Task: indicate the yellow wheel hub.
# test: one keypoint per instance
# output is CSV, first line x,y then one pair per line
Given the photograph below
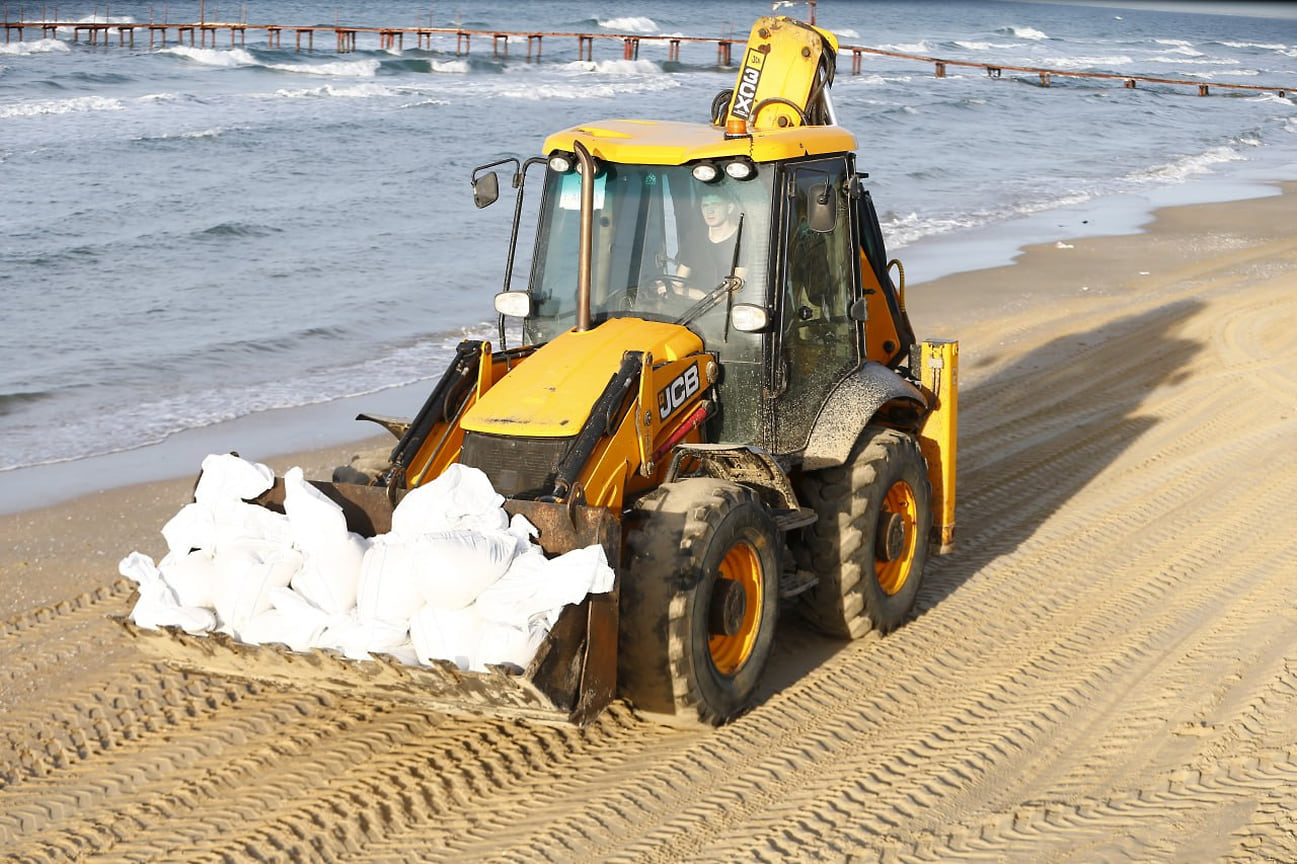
x,y
897,538
736,608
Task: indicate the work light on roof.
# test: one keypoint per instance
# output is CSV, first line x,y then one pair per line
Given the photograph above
x,y
740,169
706,172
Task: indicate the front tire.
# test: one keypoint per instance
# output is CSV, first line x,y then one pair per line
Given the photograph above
x,y
699,602
870,544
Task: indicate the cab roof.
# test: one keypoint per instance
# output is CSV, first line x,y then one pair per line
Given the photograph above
x,y
664,142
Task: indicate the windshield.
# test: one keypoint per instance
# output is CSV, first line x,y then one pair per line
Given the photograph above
x,y
662,241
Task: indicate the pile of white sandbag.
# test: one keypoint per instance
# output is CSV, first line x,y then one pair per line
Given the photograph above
x,y
455,579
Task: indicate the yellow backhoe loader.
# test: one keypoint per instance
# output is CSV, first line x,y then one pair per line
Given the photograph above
x,y
717,380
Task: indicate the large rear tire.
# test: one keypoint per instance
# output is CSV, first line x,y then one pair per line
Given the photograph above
x,y
699,601
870,544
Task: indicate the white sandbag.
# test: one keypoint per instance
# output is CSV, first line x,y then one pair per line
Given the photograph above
x,y
460,497
191,576
157,605
154,609
315,522
140,569
330,577
238,522
358,638
388,587
453,567
534,585
472,643
504,644
404,652
227,478
291,619
447,634
245,574
193,527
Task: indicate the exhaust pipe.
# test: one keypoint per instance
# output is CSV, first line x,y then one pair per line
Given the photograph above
x,y
586,161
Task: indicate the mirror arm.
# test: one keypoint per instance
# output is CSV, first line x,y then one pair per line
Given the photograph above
x,y
519,177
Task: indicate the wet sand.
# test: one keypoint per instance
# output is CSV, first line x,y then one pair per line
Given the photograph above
x,y
1105,669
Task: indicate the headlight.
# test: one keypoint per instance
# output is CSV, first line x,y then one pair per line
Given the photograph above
x,y
561,163
749,318
706,172
740,169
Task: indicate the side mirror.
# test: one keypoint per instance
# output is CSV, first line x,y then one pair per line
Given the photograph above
x,y
513,304
749,318
822,208
486,189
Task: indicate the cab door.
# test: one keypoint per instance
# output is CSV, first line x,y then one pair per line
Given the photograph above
x,y
816,340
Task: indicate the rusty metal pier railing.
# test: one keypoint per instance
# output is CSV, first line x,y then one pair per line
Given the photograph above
x,y
200,32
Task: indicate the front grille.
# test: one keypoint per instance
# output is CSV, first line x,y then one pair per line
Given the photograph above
x,y
518,467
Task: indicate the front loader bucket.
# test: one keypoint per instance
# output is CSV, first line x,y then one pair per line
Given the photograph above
x,y
572,678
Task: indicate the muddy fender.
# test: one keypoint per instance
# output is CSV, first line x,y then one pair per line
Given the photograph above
x,y
850,407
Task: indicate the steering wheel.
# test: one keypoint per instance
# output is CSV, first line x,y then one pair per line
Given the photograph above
x,y
657,289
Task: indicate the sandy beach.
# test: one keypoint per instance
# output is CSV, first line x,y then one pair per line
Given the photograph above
x,y
1104,669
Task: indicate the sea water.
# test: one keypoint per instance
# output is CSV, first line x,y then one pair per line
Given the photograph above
x,y
240,246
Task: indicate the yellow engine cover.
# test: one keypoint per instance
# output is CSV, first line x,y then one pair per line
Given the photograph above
x,y
552,393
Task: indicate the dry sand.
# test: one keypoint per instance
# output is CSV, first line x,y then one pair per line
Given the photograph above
x,y
1105,669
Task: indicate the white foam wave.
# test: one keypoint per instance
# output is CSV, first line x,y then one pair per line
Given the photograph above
x,y
1088,62
450,67
629,24
425,103
1180,46
902,230
545,92
228,59
338,69
130,424
846,33
1180,170
214,132
40,46
355,91
1264,46
1272,97
919,47
106,19
1224,73
969,45
60,106
1026,33
1199,60
613,67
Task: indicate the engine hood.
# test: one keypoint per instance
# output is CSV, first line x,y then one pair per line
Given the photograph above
x,y
551,393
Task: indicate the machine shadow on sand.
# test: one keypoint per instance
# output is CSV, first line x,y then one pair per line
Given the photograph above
x,y
1093,414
